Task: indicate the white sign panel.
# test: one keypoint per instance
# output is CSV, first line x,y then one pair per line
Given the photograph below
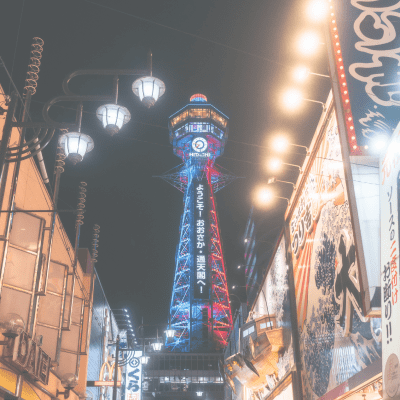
x,y
133,380
389,199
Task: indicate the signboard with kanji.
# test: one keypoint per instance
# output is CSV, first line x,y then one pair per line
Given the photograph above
x,y
389,198
201,278
133,379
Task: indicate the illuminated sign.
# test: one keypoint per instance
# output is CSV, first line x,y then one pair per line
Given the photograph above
x,y
133,379
106,376
389,199
28,357
200,239
102,383
199,145
365,54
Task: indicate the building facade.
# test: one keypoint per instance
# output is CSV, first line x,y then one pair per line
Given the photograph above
x,y
41,287
309,333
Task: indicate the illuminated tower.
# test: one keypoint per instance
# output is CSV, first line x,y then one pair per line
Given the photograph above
x,y
200,311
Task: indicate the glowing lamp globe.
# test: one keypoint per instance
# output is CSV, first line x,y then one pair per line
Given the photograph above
x,y
69,381
300,74
275,164
148,89
292,99
157,346
280,144
145,359
76,145
170,333
12,324
264,196
113,117
308,43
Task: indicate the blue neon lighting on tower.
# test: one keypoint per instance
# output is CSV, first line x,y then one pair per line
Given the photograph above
x,y
200,311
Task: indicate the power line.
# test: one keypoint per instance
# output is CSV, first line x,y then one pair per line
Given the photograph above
x,y
187,33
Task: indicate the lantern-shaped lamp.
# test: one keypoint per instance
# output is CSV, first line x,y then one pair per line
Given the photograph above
x,y
76,145
170,333
145,359
156,346
12,324
148,89
113,117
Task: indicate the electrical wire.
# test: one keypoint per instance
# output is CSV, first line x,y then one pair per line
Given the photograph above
x,y
186,33
16,43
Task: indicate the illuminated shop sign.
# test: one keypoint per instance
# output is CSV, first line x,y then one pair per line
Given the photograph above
x,y
366,53
328,279
26,355
201,287
133,380
389,198
106,376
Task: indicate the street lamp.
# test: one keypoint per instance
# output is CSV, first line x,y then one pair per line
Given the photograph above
x,y
13,326
148,89
156,345
170,332
317,10
113,117
301,73
275,164
265,196
274,180
292,99
280,144
308,42
76,145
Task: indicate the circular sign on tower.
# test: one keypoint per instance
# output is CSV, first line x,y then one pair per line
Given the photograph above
x,y
199,144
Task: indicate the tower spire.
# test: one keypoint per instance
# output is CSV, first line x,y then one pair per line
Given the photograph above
x,y
200,309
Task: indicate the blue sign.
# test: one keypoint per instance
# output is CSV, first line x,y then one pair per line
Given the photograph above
x,y
366,44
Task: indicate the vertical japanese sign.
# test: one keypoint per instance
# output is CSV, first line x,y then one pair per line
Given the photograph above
x,y
133,378
365,46
201,286
389,199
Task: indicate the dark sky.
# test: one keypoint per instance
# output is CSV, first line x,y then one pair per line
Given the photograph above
x,y
238,53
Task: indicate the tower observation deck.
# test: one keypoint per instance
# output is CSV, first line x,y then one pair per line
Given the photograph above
x,y
200,311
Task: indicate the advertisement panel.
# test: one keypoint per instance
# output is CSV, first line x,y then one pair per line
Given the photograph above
x,y
201,270
389,198
133,378
274,301
336,340
365,46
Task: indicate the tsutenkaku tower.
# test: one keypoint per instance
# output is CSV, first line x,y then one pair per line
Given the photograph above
x,y
200,311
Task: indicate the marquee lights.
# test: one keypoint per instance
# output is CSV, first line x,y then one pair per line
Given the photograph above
x,y
354,148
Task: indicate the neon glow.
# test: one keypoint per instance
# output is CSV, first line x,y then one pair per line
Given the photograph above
x,y
200,309
198,97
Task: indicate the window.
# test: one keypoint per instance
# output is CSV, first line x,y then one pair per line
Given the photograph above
x,y
22,263
248,331
49,321
218,118
179,118
199,113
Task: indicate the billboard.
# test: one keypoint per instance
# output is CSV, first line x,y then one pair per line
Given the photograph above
x,y
365,48
274,301
389,198
133,377
336,340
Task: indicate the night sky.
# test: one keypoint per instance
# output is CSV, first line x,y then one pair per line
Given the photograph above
x,y
240,54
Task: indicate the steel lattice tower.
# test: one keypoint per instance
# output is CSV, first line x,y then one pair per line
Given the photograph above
x,y
200,310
